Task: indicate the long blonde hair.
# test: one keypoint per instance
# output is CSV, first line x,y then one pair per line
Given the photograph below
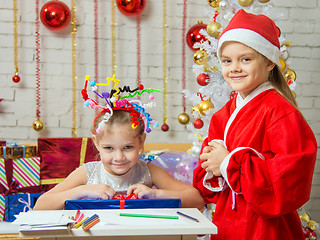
x,y
279,82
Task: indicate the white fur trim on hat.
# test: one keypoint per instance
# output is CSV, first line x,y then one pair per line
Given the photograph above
x,y
251,39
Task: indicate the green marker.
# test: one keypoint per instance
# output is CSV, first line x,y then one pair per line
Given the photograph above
x,y
147,216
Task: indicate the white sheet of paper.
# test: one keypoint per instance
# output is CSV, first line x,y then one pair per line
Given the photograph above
x,y
42,217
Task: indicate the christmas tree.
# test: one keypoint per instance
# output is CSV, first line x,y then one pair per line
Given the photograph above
x,y
214,92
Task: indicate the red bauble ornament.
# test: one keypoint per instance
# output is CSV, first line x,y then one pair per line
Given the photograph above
x,y
131,7
202,79
194,35
16,78
198,123
165,127
55,15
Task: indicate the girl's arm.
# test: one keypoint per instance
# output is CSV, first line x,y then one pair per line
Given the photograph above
x,y
72,188
168,187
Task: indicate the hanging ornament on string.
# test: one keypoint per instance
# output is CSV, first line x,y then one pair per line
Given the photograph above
x,y
184,118
214,28
131,7
194,36
38,125
16,77
165,126
245,3
55,15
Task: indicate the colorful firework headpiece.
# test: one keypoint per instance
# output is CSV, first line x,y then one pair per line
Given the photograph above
x,y
114,101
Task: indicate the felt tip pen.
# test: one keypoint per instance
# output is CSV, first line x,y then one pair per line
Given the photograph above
x,y
77,225
187,216
147,216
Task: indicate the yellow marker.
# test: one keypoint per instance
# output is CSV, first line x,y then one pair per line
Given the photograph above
x,y
80,223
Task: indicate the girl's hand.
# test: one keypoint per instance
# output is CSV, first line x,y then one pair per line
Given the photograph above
x,y
213,158
142,191
97,191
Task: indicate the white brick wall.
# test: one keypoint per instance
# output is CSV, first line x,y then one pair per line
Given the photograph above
x,y
17,111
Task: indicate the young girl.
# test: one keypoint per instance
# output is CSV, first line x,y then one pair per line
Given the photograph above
x,y
258,160
118,134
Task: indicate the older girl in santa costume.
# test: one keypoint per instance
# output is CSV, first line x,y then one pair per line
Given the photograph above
x,y
258,160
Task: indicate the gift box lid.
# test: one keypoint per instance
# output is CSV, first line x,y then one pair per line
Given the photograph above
x,y
128,204
14,150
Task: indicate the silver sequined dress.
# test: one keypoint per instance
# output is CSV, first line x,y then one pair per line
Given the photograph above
x,y
96,174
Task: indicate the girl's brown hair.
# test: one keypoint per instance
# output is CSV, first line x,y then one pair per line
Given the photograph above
x,y
279,82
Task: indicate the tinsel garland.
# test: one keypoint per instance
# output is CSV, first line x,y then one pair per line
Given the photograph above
x,y
37,33
74,73
164,54
184,18
15,33
138,50
96,48
113,26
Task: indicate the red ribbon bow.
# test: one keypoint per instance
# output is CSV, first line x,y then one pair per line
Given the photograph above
x,y
122,199
12,188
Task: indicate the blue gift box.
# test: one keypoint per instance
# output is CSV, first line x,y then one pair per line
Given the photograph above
x,y
17,203
128,203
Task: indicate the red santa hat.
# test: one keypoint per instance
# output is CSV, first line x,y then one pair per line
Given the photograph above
x,y
256,31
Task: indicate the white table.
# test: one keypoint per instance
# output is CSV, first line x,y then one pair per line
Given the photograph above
x,y
112,226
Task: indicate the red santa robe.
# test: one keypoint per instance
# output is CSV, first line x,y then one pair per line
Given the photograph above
x,y
268,174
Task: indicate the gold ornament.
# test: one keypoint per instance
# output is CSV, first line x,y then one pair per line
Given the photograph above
x,y
311,224
214,3
200,57
245,3
263,1
289,74
213,29
205,106
37,125
283,64
183,118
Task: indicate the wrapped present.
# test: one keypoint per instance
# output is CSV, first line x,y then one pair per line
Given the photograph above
x,y
14,150
17,203
123,204
21,175
2,206
3,143
60,156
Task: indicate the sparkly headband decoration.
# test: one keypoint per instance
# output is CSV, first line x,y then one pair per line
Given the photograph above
x,y
114,102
